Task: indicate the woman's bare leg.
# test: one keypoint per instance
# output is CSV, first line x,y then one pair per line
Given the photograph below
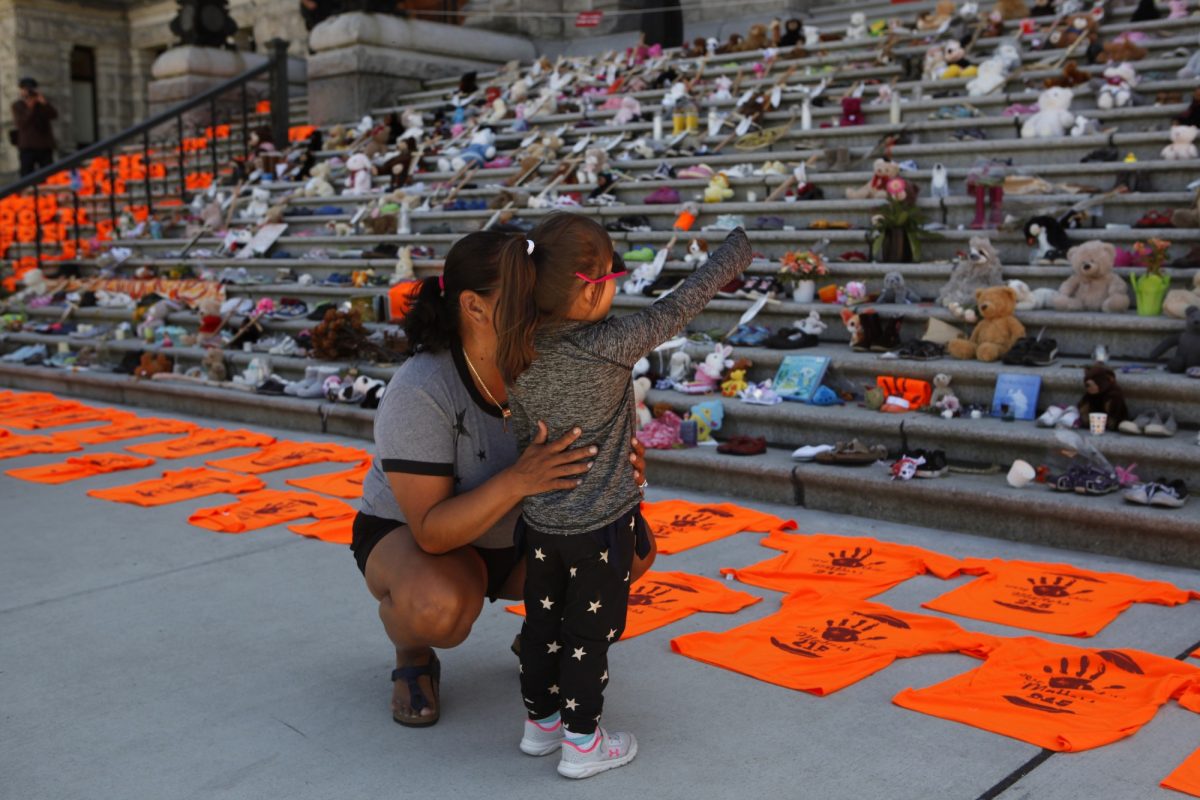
x,y
425,601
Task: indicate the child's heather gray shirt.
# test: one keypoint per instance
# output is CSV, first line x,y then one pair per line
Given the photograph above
x,y
582,377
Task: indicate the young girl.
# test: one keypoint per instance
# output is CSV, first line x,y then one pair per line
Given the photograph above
x,y
565,362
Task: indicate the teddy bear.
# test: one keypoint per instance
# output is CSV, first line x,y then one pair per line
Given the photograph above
x,y
1053,118
718,189
756,38
213,364
1117,91
1188,217
876,187
1070,77
1183,143
992,74
630,110
1093,286
980,268
997,330
697,253
152,364
481,149
735,383
1032,299
857,29
595,161
1079,26
1120,49
359,171
318,184
1102,395
895,291
1011,9
933,64
378,142
260,202
941,390
1186,343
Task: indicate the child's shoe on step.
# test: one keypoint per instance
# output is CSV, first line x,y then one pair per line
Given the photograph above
x,y
604,751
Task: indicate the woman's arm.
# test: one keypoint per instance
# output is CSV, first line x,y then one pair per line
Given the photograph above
x,y
442,521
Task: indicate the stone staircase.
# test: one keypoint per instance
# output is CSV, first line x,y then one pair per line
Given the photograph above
x,y
976,499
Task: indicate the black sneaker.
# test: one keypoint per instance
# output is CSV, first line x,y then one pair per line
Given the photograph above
x,y
935,465
632,224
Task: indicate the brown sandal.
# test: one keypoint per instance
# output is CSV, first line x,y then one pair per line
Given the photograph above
x,y
416,695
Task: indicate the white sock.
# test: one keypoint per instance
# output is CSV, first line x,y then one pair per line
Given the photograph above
x,y
580,739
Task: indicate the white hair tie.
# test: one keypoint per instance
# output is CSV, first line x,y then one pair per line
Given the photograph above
x,y
529,246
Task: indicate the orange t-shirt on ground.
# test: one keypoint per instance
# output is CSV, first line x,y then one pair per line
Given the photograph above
x,y
660,598
336,530
22,404
128,428
1186,777
203,441
1052,598
282,455
78,467
1059,696
184,484
347,483
268,507
679,525
12,445
11,401
35,415
822,643
852,565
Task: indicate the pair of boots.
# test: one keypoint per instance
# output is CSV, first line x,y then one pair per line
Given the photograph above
x,y
877,333
313,384
984,195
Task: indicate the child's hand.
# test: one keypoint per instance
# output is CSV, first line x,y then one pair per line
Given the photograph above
x,y
549,467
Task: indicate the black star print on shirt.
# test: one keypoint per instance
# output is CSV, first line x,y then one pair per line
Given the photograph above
x,y
481,455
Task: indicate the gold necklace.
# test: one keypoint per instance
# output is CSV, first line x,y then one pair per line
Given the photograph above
x,y
504,412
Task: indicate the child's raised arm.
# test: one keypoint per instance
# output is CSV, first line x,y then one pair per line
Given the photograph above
x,y
626,339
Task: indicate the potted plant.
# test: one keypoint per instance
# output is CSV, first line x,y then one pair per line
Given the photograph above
x,y
1150,288
799,271
899,229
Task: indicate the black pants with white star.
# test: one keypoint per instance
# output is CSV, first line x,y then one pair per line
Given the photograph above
x,y
576,593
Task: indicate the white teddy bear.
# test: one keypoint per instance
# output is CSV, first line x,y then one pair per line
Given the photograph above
x,y
992,75
1117,91
857,29
359,172
1031,299
1183,143
481,149
260,202
1053,117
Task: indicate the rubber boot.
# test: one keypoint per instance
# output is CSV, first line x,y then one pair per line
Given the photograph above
x,y
996,201
977,223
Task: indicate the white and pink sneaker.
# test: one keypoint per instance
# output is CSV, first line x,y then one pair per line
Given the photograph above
x,y
541,740
606,751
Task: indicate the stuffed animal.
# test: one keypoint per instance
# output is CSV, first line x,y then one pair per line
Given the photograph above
x,y
852,113
718,189
1012,9
629,111
358,180
1188,217
997,330
1117,91
481,149
957,65
854,327
641,387
1093,286
1178,301
1190,70
1120,49
992,75
857,29
812,324
155,318
1070,77
1048,238
979,269
735,383
1186,344
1183,143
595,161
680,365
895,291
1102,395
1078,26
697,253
876,187
1053,118
260,202
372,390
708,374
709,416
152,364
941,390
213,364
756,39
318,184
1032,299
934,63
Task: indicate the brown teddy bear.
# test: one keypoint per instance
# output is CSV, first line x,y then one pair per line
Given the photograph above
x,y
153,363
1012,9
755,40
876,188
1093,286
1079,26
1102,395
1071,77
1122,51
998,329
1188,217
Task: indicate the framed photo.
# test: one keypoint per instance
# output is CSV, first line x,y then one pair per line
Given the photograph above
x,y
799,377
1016,393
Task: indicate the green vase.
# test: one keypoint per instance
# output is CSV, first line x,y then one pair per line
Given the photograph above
x,y
1150,290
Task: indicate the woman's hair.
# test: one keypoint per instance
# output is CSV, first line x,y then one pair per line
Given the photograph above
x,y
540,285
472,265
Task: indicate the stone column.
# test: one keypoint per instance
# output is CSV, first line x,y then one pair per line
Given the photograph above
x,y
362,61
184,72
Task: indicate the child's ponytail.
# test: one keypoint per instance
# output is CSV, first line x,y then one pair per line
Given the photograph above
x,y
517,312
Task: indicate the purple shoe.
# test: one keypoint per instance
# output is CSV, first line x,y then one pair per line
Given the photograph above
x,y
662,196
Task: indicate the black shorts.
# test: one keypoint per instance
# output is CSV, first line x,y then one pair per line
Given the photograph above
x,y
367,530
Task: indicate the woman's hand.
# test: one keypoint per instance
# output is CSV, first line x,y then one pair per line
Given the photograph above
x,y
638,459
548,467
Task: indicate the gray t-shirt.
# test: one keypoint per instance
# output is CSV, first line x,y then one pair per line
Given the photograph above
x,y
582,376
433,421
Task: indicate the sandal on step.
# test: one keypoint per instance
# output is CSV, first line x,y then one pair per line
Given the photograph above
x,y
417,700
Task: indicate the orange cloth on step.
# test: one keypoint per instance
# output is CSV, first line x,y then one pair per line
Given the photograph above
x,y
660,598
348,483
1186,777
39,415
128,428
202,441
820,644
679,525
1053,598
1059,696
71,416
268,507
282,455
11,401
855,566
78,467
184,484
336,530
13,445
